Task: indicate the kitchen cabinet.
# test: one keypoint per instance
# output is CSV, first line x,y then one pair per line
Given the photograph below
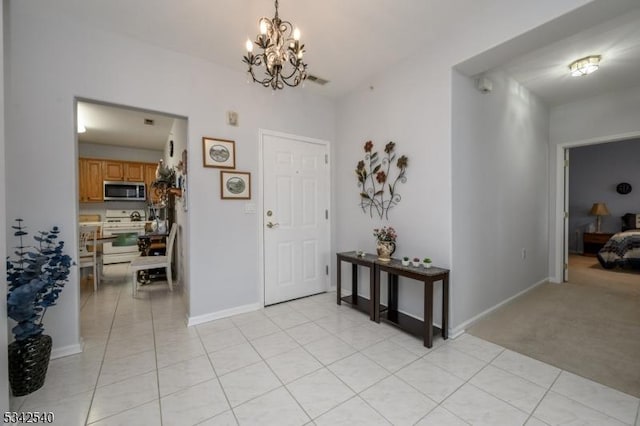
x,y
149,177
90,180
94,171
134,172
113,170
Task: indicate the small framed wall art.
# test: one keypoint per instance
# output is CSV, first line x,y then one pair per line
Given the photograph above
x,y
235,185
220,153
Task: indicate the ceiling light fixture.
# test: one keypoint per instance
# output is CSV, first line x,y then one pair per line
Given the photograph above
x,y
281,54
585,66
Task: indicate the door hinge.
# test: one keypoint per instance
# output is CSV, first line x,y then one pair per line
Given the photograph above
x,y
326,214
326,159
566,163
327,269
566,266
566,215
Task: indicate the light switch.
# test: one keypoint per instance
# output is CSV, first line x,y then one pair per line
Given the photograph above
x,y
249,208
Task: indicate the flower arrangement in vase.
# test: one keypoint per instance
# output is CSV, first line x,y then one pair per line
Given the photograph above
x,y
35,279
385,242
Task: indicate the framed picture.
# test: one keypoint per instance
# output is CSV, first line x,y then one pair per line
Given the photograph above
x,y
235,185
220,153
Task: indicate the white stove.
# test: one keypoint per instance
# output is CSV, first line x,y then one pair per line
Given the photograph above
x,y
125,225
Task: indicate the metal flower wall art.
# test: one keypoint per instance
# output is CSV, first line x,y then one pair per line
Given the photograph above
x,y
377,185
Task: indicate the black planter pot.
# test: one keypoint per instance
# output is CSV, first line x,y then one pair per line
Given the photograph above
x,y
28,363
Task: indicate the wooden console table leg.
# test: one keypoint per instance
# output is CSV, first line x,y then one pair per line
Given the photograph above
x,y
445,307
373,295
428,313
376,290
392,292
354,284
339,281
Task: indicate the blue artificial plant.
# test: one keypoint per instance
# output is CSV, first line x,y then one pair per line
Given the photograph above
x,y
35,279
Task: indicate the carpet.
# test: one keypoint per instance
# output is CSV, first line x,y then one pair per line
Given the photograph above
x,y
589,326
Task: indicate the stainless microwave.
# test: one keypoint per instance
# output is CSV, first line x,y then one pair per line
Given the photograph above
x,y
124,191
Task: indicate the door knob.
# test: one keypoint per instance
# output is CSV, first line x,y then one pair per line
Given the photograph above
x,y
272,225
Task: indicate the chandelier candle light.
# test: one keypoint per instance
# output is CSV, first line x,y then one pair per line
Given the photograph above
x,y
281,54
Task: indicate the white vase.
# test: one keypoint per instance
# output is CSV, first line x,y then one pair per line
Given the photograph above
x,y
426,264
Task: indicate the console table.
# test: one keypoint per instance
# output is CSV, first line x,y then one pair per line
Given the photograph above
x,y
428,276
358,302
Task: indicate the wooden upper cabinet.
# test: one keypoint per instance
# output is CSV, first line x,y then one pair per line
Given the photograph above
x,y
134,172
90,180
113,170
149,177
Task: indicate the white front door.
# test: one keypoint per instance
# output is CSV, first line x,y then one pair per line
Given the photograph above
x,y
295,217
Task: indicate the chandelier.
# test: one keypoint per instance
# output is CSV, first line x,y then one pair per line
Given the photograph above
x,y
585,66
281,54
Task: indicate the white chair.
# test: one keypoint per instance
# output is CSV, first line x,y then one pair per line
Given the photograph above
x,y
144,263
88,251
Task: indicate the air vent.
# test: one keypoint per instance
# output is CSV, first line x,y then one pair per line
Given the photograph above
x,y
317,80
148,122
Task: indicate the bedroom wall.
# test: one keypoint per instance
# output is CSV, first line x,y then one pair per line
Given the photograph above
x,y
52,59
613,116
594,172
500,190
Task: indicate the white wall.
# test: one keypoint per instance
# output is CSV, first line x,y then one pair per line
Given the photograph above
x,y
500,192
595,172
51,60
4,375
613,116
411,104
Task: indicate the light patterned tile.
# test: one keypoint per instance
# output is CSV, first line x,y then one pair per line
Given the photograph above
x,y
194,404
274,344
441,417
293,364
289,320
397,401
171,354
556,409
255,329
455,362
527,368
274,408
117,397
329,350
221,339
225,419
479,408
476,347
352,413
70,410
144,415
508,387
233,358
358,371
248,382
307,333
602,398
115,370
184,374
429,379
390,355
319,392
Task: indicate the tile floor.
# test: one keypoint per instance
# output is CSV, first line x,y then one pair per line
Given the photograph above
x,y
308,361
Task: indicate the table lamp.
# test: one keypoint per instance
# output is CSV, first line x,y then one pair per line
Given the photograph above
x,y
599,210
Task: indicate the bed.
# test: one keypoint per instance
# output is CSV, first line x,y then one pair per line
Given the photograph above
x,y
623,248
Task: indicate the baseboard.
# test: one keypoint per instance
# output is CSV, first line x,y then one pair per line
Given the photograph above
x,y
455,332
222,314
66,350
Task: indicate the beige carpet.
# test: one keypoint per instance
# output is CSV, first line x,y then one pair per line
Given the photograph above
x,y
589,326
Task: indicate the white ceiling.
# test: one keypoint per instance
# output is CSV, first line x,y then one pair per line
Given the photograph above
x,y
114,125
338,34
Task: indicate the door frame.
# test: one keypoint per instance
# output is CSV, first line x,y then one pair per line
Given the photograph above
x,y
557,219
260,209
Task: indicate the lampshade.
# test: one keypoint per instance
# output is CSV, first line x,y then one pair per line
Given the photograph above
x,y
599,209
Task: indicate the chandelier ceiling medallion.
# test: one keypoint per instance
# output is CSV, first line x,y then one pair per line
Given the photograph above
x,y
281,54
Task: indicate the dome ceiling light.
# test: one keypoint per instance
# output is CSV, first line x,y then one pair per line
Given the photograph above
x,y
585,66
